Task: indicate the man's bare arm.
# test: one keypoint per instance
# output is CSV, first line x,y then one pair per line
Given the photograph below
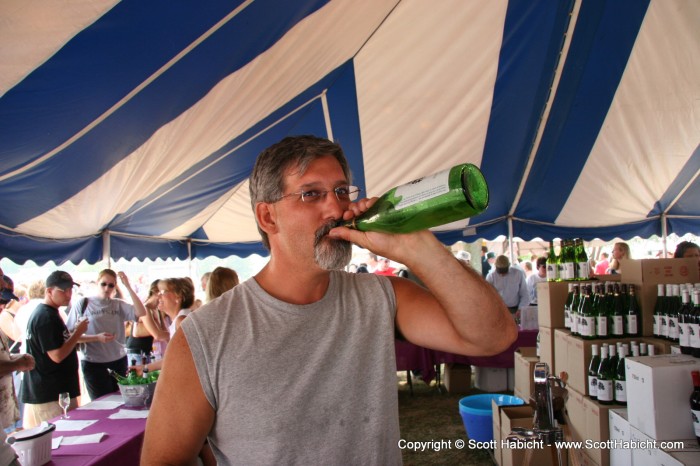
x,y
180,416
459,313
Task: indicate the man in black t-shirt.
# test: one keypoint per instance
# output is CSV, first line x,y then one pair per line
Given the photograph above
x,y
53,347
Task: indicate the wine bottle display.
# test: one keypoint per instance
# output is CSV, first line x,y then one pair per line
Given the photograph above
x,y
695,403
427,202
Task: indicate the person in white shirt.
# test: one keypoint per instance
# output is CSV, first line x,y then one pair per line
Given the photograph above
x,y
535,278
510,283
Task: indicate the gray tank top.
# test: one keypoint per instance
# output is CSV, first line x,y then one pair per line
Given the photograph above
x,y
300,384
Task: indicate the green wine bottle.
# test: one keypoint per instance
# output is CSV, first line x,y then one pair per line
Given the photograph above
x,y
427,202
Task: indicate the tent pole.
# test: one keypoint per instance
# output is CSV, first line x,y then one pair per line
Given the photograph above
x,y
510,239
664,234
106,250
189,257
327,115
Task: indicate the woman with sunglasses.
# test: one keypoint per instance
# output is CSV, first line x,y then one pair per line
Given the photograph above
x,y
102,346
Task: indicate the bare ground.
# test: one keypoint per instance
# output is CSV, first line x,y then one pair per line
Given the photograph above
x,y
433,415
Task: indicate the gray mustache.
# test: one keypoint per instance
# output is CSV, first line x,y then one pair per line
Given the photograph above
x,y
323,231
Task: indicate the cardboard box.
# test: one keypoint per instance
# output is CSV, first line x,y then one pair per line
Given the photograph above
x,y
645,451
658,390
646,274
576,414
547,347
491,379
686,453
589,421
510,417
561,353
458,378
598,428
579,354
551,297
524,361
619,431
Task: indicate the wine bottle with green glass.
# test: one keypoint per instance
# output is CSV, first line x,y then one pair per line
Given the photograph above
x,y
430,201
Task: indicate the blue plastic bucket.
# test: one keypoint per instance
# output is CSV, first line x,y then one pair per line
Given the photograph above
x,y
477,415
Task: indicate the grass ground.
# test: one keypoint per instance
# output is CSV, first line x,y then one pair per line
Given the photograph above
x,y
433,415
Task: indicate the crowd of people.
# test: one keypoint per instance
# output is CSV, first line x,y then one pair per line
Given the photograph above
x,y
50,337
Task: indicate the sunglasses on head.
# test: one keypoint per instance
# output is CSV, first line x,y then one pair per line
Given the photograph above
x,y
103,284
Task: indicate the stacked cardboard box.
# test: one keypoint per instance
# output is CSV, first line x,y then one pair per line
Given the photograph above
x,y
512,453
458,378
658,408
563,352
647,274
524,362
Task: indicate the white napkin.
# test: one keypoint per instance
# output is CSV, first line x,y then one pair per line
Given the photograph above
x,y
56,442
129,414
66,424
112,398
83,439
103,404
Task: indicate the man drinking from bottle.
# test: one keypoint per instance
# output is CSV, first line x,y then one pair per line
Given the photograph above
x,y
297,365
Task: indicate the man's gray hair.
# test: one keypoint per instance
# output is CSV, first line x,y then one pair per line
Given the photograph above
x,y
267,180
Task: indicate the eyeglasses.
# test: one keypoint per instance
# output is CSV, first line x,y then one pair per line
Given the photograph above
x,y
342,193
110,285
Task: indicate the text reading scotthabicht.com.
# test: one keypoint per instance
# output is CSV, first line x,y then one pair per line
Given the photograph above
x,y
437,445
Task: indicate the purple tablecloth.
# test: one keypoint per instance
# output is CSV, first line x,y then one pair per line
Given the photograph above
x,y
412,357
121,446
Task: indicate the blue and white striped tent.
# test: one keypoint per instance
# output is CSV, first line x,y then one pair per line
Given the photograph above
x,y
128,128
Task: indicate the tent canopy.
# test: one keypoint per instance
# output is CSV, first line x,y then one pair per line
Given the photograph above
x,y
129,128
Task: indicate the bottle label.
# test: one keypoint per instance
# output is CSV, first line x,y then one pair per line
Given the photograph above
x,y
574,322
696,421
605,390
587,326
663,327
593,385
602,326
694,335
631,324
422,189
657,325
569,273
673,328
567,318
618,327
621,391
684,334
584,269
552,272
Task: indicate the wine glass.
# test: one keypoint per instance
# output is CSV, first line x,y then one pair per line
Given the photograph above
x,y
64,403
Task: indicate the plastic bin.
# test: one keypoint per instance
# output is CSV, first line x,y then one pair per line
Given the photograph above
x,y
33,446
477,414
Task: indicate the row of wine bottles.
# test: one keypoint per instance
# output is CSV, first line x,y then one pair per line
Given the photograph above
x,y
571,263
677,317
602,310
607,381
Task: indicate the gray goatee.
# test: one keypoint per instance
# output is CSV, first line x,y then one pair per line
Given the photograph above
x,y
329,253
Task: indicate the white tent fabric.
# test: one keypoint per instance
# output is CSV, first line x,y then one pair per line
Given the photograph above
x,y
129,128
